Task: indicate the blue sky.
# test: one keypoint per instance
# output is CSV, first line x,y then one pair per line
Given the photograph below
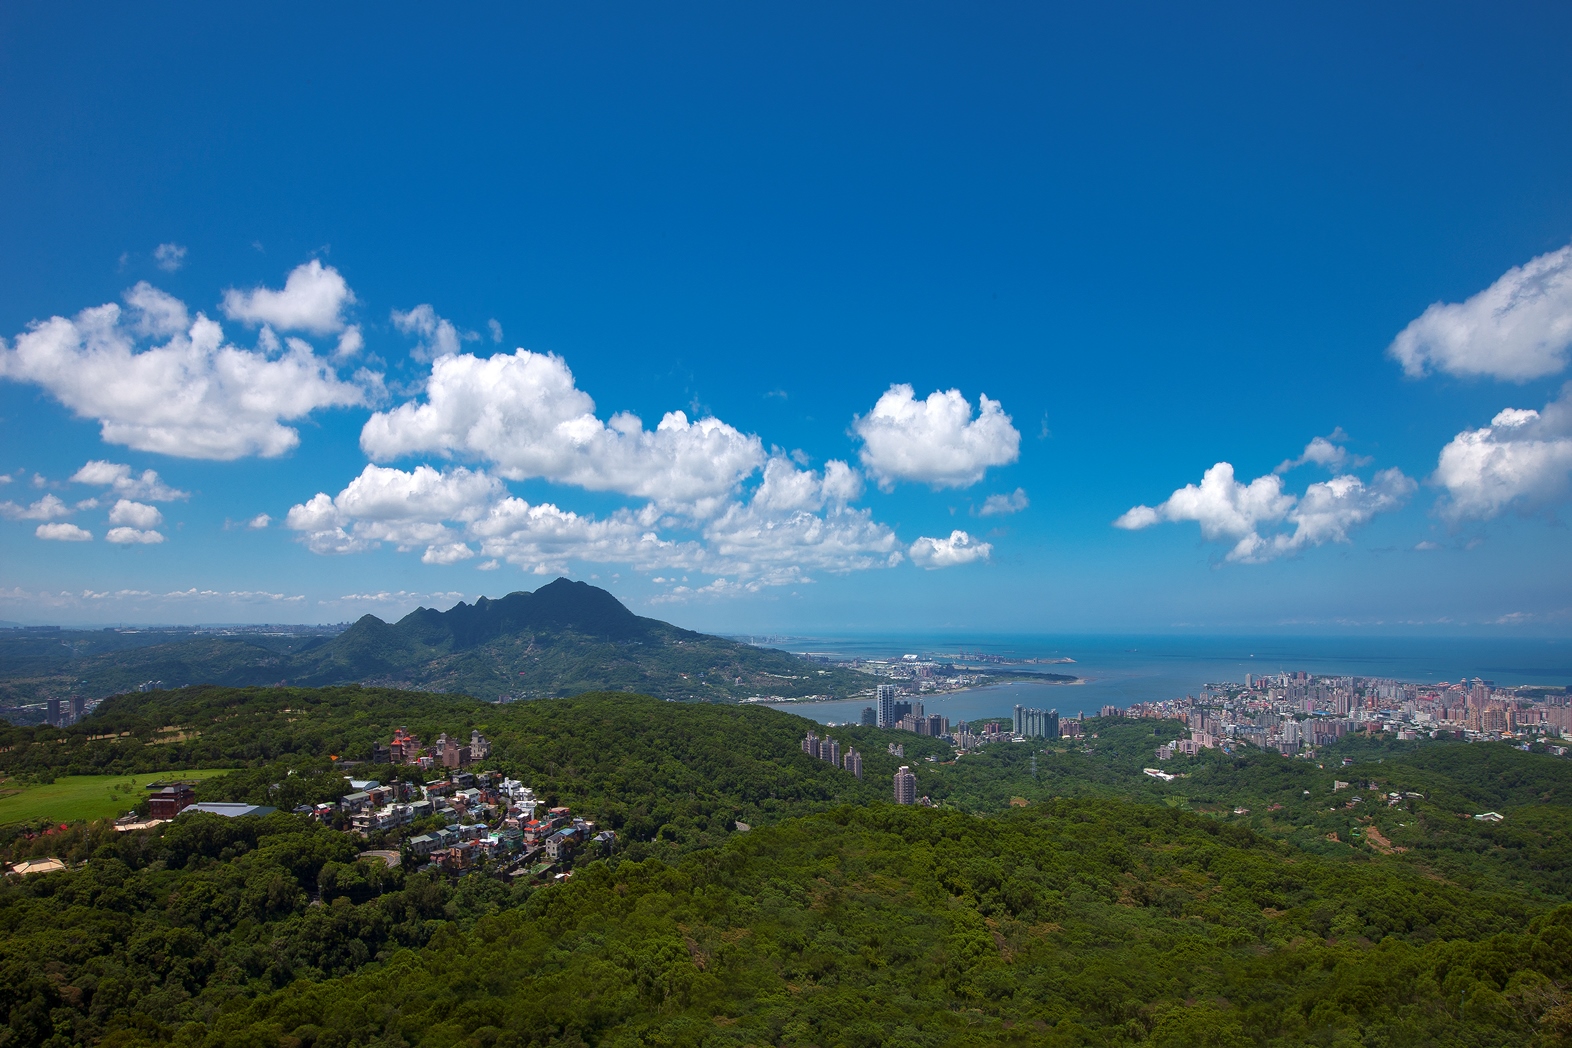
x,y
1156,240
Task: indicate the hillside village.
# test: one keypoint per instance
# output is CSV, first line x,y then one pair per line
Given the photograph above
x,y
467,820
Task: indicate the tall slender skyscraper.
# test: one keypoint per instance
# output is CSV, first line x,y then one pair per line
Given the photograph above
x,y
887,717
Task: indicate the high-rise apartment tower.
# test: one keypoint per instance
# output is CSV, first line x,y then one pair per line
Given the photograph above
x,y
905,786
886,707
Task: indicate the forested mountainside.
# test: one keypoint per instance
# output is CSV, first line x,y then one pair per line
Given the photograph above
x,y
683,770
1069,899
562,639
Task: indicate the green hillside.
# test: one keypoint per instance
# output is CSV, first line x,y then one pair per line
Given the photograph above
x,y
1056,895
77,798
682,772
1076,924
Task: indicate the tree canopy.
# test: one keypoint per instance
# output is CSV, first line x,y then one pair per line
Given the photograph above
x,y
1054,895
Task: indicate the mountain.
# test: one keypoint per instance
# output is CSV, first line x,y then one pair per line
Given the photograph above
x,y
564,638
561,607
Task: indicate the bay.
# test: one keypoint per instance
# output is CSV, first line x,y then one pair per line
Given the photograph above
x,y
1121,670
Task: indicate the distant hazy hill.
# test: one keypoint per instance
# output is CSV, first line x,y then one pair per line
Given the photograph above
x,y
566,637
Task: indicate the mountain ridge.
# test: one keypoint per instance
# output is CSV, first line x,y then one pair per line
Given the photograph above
x,y
564,638
561,604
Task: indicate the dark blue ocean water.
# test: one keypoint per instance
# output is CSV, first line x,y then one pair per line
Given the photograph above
x,y
1121,670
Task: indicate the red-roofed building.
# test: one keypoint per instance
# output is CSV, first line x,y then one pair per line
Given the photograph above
x,y
170,800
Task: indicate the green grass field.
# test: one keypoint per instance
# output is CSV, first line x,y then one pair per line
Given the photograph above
x,y
71,798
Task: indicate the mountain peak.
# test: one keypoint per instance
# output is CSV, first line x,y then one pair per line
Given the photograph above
x,y
561,605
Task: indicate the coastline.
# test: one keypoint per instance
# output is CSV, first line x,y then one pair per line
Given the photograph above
x,y
1026,678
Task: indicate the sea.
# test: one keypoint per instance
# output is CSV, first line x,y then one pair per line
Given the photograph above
x,y
1121,670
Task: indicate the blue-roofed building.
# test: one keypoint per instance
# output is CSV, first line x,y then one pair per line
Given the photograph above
x,y
227,810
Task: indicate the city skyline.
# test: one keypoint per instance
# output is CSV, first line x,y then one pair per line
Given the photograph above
x,y
771,320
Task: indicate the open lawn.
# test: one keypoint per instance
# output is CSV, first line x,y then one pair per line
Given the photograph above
x,y
71,798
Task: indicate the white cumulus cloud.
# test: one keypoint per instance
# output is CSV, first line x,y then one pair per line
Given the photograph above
x,y
406,508
258,522
438,337
799,518
1251,516
1326,452
313,300
544,538
959,548
135,514
1223,506
169,257
118,476
188,394
380,493
1330,509
523,413
451,553
1002,505
350,342
132,536
1522,460
794,520
936,441
49,507
787,489
1517,329
63,533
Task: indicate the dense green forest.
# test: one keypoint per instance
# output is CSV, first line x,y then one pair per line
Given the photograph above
x,y
1296,800
1054,895
1076,922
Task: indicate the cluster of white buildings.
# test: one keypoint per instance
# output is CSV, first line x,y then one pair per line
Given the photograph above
x,y
372,807
1294,713
920,675
488,817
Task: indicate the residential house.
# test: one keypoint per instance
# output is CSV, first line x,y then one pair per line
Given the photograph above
x,y
353,802
560,844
